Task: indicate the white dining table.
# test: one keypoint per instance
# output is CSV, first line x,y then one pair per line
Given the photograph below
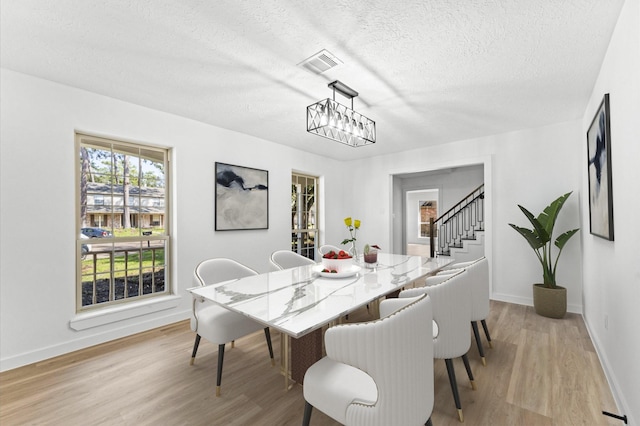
x,y
301,300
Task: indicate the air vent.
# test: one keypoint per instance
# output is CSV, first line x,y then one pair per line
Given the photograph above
x,y
320,62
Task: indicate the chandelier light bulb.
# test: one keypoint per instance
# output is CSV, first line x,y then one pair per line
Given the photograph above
x,y
335,121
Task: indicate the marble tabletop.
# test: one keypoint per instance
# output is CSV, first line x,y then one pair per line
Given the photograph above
x,y
299,300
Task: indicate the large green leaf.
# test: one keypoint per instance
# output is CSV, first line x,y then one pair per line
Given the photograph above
x,y
562,239
532,237
538,228
539,238
548,216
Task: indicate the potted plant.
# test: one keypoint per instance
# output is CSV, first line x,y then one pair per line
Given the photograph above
x,y
549,299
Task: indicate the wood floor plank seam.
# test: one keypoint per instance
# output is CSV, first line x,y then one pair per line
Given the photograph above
x,y
539,372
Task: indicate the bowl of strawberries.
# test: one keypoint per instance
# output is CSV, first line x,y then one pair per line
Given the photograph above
x,y
337,261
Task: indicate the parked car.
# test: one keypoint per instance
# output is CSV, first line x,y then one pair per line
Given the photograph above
x,y
86,248
96,232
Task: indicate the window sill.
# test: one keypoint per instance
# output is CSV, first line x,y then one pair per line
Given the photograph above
x,y
113,314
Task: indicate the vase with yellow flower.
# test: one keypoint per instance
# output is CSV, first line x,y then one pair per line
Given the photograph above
x,y
352,226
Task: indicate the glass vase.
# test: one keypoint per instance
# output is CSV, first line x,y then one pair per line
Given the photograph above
x,y
353,251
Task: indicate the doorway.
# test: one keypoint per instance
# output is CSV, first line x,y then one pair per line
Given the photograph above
x,y
453,184
420,206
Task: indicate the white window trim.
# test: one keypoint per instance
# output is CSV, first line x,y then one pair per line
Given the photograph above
x,y
124,311
96,316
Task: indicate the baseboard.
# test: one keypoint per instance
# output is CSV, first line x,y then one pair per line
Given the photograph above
x,y
42,354
528,301
621,403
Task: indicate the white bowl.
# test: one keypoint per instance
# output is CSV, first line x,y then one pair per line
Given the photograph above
x,y
340,265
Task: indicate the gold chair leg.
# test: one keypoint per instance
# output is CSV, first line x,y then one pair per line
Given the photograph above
x,y
484,361
217,391
473,384
460,416
193,359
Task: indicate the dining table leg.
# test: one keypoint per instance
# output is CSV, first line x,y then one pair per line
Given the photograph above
x,y
305,351
285,358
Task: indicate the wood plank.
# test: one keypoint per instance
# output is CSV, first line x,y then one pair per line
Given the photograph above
x,y
540,371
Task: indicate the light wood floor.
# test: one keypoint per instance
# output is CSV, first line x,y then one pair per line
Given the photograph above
x,y
540,372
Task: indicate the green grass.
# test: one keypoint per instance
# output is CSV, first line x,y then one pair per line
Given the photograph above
x,y
121,265
135,232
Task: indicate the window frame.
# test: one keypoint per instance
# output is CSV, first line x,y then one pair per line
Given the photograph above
x,y
423,204
163,240
295,230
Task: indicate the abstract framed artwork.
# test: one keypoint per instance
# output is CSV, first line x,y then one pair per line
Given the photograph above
x,y
599,171
242,198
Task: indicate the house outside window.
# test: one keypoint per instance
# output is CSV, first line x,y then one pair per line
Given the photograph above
x,y
428,210
304,214
127,259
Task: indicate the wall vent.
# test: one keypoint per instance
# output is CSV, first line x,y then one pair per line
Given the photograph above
x,y
320,62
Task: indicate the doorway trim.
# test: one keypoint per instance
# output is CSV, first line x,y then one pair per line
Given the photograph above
x,y
396,237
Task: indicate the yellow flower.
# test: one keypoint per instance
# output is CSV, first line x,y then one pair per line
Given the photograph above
x,y
357,224
347,221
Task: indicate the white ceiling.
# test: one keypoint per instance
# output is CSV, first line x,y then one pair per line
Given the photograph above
x,y
428,71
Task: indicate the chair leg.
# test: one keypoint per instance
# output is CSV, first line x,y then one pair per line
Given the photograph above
x,y
428,423
465,359
307,414
454,387
476,333
486,332
267,335
220,361
195,349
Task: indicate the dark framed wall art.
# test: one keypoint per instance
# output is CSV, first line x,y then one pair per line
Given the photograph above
x,y
599,170
242,198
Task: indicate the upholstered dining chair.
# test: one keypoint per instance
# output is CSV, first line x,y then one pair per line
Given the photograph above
x,y
480,293
374,372
285,259
215,323
450,296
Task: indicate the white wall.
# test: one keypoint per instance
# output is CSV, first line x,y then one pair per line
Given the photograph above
x,y
611,269
530,167
37,272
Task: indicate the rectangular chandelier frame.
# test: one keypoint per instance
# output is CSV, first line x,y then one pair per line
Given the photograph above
x,y
332,120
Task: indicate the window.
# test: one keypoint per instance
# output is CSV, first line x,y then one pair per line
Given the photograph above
x,y
122,239
428,210
304,215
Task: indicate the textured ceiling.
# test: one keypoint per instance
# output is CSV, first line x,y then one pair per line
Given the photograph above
x,y
428,71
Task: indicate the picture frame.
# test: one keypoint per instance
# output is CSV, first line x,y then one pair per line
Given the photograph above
x,y
241,198
599,172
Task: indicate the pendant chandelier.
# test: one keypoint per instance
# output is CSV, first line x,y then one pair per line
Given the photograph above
x,y
337,122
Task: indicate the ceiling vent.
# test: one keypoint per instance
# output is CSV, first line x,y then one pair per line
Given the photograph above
x,y
320,62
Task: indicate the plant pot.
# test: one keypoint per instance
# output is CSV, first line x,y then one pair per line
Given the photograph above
x,y
550,302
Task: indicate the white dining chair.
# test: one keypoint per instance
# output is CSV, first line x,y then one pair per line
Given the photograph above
x,y
215,323
285,259
375,372
480,298
451,301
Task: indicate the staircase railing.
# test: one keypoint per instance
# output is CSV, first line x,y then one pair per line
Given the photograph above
x,y
459,223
